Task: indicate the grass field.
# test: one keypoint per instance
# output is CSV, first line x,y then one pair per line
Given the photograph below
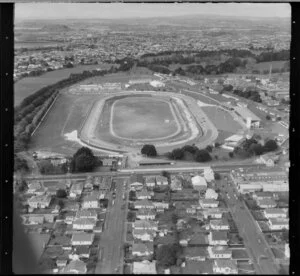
x,y
266,65
27,86
221,119
143,118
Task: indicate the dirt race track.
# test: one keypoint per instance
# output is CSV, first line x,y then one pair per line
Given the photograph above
x,y
189,124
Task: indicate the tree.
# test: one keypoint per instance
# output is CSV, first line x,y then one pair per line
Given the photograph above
x,y
270,145
61,193
217,145
231,154
149,150
217,176
167,255
192,149
83,160
202,156
285,235
268,117
132,195
256,149
177,153
165,174
209,148
61,204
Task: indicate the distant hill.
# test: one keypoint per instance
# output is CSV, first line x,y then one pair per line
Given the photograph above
x,y
55,28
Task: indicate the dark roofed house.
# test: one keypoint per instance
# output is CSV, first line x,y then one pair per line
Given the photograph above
x,y
83,251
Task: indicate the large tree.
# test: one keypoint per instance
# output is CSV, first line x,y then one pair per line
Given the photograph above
x,y
177,153
149,150
270,145
83,160
202,156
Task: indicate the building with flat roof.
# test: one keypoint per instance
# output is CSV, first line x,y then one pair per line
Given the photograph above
x,y
248,117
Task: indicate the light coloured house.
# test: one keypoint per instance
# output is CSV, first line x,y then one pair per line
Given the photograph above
x,y
150,181
86,213
266,203
218,238
212,213
76,190
82,239
263,195
144,235
90,201
40,201
209,174
208,203
219,224
161,205
143,194
211,194
225,267
145,224
287,252
142,249
199,182
219,252
145,214
84,224
275,213
278,223
161,180
33,187
136,186
144,267
144,203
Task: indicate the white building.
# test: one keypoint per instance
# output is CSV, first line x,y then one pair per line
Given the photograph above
x,y
84,224
278,223
275,213
209,174
219,252
144,267
208,203
199,182
211,194
225,267
82,239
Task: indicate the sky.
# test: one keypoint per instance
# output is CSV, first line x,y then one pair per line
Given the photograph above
x,y
129,10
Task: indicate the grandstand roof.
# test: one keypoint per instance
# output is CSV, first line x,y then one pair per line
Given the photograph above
x,y
245,113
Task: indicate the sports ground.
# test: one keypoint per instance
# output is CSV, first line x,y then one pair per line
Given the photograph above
x,y
123,121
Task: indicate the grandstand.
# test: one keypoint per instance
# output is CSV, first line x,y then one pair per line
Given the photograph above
x,y
248,117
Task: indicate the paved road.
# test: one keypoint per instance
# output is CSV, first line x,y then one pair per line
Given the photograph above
x,y
112,237
248,229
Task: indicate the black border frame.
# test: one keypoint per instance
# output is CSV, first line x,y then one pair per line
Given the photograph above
x,y
7,115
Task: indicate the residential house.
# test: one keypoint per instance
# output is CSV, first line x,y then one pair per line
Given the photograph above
x,y
146,204
211,194
61,262
138,186
41,191
85,213
144,267
268,159
212,213
144,235
70,217
195,253
108,162
75,267
90,201
266,203
278,223
136,178
176,183
145,224
219,224
84,224
209,174
218,238
199,183
32,187
150,181
145,214
208,203
161,205
184,195
83,251
263,195
40,201
225,267
219,252
82,239
33,219
197,267
72,206
76,190
161,180
275,213
143,194
142,249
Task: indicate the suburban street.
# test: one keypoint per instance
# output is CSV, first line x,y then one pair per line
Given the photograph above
x,y
112,238
248,229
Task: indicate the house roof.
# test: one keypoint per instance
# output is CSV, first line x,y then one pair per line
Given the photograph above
x,y
209,201
195,251
144,267
40,199
266,201
218,222
75,265
84,221
79,237
144,223
145,212
143,202
211,193
263,194
198,267
199,181
275,211
142,247
220,249
231,264
279,221
34,186
139,232
91,197
137,178
86,213
82,249
161,178
143,192
219,235
76,187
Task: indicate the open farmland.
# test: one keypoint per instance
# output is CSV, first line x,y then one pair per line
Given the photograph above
x,y
27,86
143,118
